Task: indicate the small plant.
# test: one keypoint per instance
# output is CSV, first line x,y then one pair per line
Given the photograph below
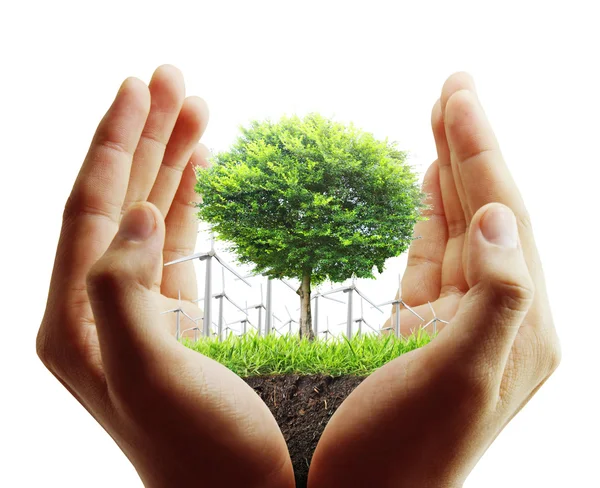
x,y
252,355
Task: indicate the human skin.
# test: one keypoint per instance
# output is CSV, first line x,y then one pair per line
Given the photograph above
x,y
425,419
181,418
170,409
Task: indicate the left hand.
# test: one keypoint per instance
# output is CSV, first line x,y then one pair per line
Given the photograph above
x,y
425,418
181,418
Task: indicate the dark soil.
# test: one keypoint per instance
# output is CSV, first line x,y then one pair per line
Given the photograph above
x,y
302,406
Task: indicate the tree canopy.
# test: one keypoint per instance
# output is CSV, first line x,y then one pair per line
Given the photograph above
x,y
311,199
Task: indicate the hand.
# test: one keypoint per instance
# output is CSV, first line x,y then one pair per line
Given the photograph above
x,y
425,419
181,418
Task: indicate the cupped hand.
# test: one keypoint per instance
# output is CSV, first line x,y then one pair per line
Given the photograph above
x,y
425,418
181,418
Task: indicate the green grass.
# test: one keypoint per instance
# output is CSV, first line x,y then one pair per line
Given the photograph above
x,y
251,355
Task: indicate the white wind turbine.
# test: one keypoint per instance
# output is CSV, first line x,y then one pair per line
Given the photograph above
x,y
220,297
350,289
260,306
362,320
327,332
289,321
207,256
178,311
397,302
434,320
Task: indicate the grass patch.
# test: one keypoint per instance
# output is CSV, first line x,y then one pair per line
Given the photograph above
x,y
251,355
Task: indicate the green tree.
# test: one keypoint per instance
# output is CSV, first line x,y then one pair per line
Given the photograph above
x,y
311,199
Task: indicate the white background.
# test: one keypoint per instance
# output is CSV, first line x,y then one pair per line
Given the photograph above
x,y
379,64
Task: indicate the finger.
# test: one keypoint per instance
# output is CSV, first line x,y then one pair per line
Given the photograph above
x,y
486,179
457,81
182,232
500,296
453,277
167,91
119,286
422,279
190,126
93,210
476,153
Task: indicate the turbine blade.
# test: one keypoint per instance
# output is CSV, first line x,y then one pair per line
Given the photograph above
x,y
415,313
234,304
374,306
333,299
334,291
187,258
231,270
187,315
172,310
288,284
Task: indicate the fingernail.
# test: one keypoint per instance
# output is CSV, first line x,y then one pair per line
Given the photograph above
x,y
138,223
499,226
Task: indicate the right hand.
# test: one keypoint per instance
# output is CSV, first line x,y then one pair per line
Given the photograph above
x,y
425,418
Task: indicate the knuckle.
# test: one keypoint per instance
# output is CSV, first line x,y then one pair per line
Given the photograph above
x,y
105,276
82,202
512,295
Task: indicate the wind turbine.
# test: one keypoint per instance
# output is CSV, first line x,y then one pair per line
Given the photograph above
x,y
178,311
207,256
316,310
268,306
260,306
327,332
244,321
226,329
434,320
196,329
397,302
289,321
360,320
220,297
350,289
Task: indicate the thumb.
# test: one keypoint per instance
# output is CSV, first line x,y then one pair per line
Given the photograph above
x,y
120,283
501,289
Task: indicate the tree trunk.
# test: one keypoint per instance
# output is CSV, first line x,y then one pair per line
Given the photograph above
x,y
306,329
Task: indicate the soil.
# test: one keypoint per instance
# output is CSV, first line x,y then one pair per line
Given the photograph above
x,y
302,406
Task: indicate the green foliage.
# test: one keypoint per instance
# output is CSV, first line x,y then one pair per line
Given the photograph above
x,y
252,355
311,197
